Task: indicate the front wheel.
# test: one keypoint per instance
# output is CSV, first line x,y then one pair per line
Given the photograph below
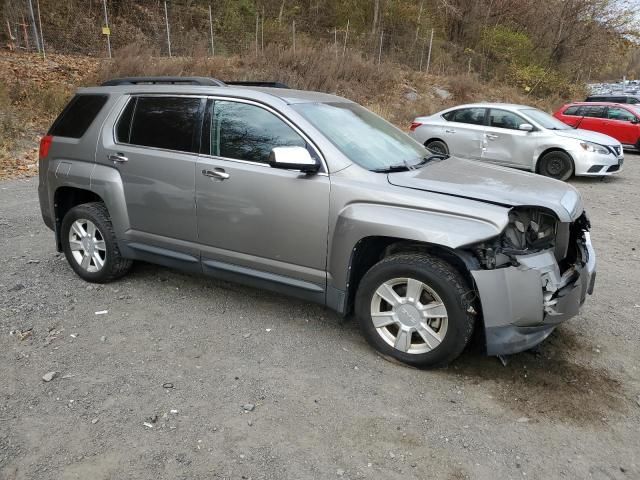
x,y
415,308
558,165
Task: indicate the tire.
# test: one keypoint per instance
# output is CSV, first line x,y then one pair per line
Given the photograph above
x,y
105,263
437,146
441,284
557,164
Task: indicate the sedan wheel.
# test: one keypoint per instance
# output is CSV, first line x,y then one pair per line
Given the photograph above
x,y
558,165
409,315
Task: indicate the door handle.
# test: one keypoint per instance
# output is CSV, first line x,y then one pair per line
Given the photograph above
x,y
491,136
218,173
118,158
450,131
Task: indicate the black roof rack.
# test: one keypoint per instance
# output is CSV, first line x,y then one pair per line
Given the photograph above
x,y
203,81
259,84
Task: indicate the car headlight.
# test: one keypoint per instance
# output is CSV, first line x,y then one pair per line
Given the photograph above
x,y
594,148
529,229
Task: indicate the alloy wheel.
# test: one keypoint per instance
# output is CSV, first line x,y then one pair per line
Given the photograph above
x,y
409,315
87,245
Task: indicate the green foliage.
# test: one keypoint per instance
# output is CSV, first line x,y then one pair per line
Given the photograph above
x,y
507,45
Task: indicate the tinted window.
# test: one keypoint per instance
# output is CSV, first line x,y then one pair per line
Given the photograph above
x,y
165,122
595,111
474,116
633,100
248,132
77,116
573,110
504,119
617,113
123,128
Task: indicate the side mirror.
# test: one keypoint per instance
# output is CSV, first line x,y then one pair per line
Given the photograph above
x,y
526,127
635,121
293,158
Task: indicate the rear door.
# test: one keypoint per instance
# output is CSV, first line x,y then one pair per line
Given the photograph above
x,y
155,152
505,144
464,132
592,117
621,124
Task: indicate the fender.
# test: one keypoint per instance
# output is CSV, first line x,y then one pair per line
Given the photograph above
x,y
361,220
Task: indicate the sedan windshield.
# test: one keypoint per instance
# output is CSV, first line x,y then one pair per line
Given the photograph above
x,y
365,138
545,120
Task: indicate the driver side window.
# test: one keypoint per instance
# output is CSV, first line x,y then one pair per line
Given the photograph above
x,y
243,131
504,119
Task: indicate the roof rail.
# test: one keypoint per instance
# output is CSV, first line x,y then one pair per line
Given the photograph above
x,y
259,84
203,81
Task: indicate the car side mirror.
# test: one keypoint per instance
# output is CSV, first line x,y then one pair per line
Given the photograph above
x,y
526,127
635,121
293,158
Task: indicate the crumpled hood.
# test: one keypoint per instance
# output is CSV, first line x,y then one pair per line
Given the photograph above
x,y
494,184
588,136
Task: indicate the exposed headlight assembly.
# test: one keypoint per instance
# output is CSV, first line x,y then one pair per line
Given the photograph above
x,y
529,230
594,148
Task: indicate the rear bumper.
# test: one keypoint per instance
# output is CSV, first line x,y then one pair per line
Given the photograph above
x,y
522,305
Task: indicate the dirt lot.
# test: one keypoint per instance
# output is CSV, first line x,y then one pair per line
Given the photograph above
x,y
325,405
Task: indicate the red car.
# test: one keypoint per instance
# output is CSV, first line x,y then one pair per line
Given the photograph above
x,y
620,121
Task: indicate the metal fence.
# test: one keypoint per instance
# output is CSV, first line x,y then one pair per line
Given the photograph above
x,y
187,28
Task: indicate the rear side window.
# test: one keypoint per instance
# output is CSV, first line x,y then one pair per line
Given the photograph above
x,y
474,116
595,111
633,100
78,115
573,110
160,122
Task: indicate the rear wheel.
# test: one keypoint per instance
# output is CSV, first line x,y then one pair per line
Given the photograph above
x,y
437,146
558,165
416,309
90,244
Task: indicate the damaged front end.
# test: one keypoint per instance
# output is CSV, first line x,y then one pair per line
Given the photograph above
x,y
532,277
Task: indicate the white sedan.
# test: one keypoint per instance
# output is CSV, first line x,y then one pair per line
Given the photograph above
x,y
521,137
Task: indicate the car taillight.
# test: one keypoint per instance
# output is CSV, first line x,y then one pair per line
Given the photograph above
x,y
414,125
45,145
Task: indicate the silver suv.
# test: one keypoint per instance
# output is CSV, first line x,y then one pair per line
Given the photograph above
x,y
312,195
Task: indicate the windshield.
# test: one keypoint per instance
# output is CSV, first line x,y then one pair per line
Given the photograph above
x,y
365,138
545,120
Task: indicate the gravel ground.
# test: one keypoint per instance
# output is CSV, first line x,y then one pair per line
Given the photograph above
x,y
322,403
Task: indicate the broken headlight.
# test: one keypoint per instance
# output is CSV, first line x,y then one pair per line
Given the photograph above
x,y
529,230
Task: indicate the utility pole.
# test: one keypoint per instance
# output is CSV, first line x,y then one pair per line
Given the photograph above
x,y
34,26
335,40
429,54
262,32
107,32
380,50
44,56
166,21
213,50
257,23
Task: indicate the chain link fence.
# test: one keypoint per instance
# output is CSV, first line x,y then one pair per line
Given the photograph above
x,y
189,28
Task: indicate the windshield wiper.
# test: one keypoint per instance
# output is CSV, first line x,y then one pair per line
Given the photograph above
x,y
431,158
392,168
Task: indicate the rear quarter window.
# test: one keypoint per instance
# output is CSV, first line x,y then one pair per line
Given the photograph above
x,y
78,116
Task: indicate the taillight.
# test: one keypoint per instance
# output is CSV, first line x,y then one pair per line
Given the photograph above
x,y
414,125
45,145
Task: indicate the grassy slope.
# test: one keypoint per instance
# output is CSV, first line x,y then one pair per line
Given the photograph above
x,y
33,91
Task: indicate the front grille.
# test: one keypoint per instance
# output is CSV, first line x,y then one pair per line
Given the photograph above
x,y
616,149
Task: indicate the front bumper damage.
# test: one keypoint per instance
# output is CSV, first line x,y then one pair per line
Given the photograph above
x,y
523,304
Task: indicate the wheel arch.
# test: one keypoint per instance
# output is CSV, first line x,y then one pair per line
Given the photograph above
x,y
65,198
434,139
370,250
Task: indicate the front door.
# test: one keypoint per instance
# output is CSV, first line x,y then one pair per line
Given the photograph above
x,y
255,221
622,125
